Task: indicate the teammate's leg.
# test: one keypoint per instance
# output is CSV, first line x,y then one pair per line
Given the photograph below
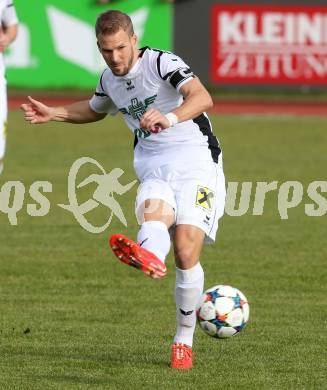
x,y
188,243
3,122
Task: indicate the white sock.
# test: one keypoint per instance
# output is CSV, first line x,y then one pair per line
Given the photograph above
x,y
154,237
189,287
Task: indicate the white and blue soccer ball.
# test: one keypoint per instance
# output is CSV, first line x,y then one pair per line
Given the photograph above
x,y
222,311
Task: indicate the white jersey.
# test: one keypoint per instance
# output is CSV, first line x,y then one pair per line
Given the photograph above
x,y
154,82
8,18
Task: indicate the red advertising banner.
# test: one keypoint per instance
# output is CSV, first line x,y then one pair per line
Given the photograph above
x,y
269,44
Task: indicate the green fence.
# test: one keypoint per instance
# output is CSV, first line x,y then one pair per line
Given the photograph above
x,y
56,46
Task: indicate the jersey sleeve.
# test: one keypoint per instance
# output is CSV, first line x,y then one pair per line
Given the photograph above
x,y
173,70
9,16
101,101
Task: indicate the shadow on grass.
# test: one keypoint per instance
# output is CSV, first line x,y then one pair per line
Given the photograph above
x,y
92,368
102,369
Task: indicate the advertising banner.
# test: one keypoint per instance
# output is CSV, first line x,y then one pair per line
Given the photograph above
x,y
269,44
56,45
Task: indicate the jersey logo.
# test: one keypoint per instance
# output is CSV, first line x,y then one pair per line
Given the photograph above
x,y
186,313
141,133
204,198
129,86
137,109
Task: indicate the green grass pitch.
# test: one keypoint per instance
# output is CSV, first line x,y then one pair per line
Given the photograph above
x,y
74,317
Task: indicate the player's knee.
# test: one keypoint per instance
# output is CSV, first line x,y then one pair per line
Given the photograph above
x,y
186,256
157,210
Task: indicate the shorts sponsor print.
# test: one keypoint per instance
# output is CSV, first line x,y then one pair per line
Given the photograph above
x,y
196,193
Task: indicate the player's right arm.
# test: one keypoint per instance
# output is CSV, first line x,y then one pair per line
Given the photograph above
x,y
79,112
84,111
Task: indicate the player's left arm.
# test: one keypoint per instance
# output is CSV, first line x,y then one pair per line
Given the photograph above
x,y
196,100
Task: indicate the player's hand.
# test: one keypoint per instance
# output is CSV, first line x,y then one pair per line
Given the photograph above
x,y
152,120
37,112
4,41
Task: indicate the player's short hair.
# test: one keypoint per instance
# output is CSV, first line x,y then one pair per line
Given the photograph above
x,y
110,22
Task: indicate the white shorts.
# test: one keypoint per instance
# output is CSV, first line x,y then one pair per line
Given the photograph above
x,y
3,118
196,192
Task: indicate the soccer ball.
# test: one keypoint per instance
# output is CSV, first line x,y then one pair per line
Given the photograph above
x,y
222,311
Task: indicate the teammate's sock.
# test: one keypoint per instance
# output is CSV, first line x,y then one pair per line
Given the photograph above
x,y
189,287
154,237
2,139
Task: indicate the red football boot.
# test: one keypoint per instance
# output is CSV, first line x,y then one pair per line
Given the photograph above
x,y
181,356
131,253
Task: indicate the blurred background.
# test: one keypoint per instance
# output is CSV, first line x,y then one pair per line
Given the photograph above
x,y
235,47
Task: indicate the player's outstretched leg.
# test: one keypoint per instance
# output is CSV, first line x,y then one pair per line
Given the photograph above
x,y
149,253
131,253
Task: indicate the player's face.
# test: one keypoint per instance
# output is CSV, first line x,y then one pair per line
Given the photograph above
x,y
119,50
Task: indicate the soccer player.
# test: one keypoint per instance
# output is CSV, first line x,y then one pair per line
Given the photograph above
x,y
8,33
177,159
